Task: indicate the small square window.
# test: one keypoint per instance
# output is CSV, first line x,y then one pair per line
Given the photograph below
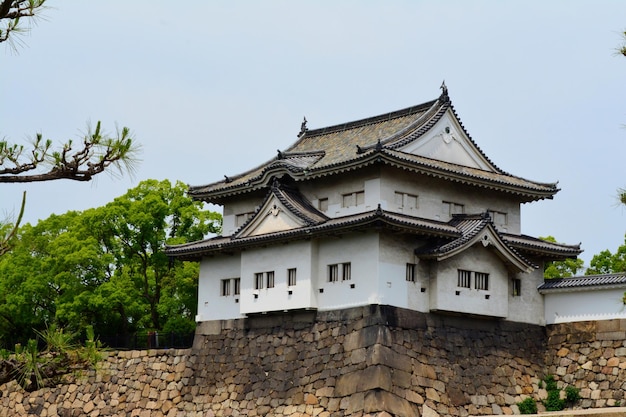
x,y
322,204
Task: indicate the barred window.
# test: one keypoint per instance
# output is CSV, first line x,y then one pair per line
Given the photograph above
x,y
225,287
410,272
347,273
258,281
481,281
333,273
269,278
291,277
517,287
237,285
464,279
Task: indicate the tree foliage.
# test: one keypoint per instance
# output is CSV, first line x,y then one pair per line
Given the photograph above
x,y
106,266
12,16
606,262
561,269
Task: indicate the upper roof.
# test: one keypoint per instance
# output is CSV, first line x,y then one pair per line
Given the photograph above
x,y
427,139
586,282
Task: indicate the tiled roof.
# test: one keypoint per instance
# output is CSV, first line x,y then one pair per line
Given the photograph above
x,y
469,227
333,226
293,201
334,149
584,282
542,247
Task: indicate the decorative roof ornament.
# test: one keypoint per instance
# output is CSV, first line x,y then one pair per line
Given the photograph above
x,y
444,90
379,146
359,150
280,154
303,127
227,179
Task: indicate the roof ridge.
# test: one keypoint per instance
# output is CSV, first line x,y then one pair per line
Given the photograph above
x,y
369,120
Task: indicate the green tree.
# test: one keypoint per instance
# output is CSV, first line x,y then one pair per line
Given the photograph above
x,y
606,262
561,269
106,266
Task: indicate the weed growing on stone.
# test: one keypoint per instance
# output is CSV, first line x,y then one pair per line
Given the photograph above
x,y
528,406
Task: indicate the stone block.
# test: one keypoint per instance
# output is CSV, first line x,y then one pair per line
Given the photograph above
x,y
383,355
378,401
374,377
613,335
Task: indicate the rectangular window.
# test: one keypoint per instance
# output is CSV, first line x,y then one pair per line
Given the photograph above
x,y
404,200
240,219
333,273
451,208
498,217
346,272
360,198
237,282
481,281
225,287
410,272
322,204
269,278
258,281
517,287
464,278
353,199
291,277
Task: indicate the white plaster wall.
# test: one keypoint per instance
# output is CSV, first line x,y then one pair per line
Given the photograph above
x,y
278,258
211,305
334,188
239,206
470,300
395,252
361,250
528,307
605,304
432,192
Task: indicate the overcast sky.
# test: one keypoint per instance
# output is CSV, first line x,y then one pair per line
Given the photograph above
x,y
214,88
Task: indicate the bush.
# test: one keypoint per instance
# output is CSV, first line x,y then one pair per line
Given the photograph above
x,y
528,406
572,394
554,401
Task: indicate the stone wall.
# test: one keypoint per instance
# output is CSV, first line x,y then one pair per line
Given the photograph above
x,y
591,356
364,361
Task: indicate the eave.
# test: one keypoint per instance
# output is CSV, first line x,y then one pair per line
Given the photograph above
x,y
372,220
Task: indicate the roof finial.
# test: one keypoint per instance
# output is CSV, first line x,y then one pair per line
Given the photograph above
x,y
444,89
303,127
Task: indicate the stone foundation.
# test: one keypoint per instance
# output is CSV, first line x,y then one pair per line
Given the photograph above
x,y
365,361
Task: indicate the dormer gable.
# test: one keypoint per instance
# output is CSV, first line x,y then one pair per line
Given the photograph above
x,y
476,229
283,209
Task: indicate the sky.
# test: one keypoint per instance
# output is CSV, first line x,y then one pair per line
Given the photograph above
x,y
214,88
